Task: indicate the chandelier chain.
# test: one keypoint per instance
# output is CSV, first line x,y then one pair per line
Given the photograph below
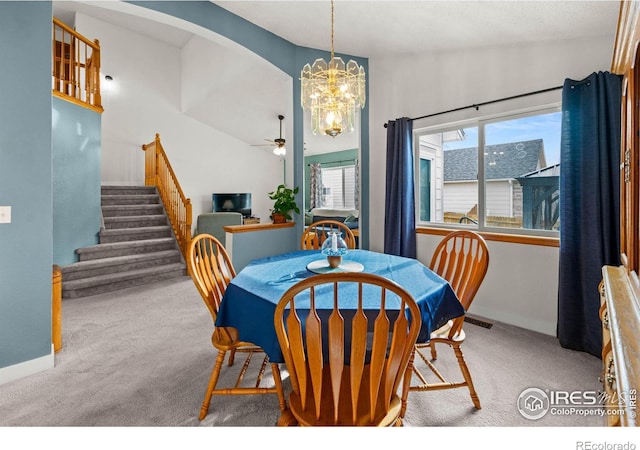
x,y
331,29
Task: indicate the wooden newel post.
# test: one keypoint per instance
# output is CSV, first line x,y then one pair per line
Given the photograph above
x,y
95,65
56,309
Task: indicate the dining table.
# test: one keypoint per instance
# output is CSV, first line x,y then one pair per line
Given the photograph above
x,y
250,299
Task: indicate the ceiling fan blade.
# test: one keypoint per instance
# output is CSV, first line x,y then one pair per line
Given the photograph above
x,y
278,142
271,143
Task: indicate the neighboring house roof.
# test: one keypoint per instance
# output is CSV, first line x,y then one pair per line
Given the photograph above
x,y
502,161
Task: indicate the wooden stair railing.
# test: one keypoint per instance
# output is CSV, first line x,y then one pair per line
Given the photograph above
x,y
158,173
76,67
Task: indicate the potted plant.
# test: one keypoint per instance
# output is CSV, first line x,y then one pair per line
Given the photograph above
x,y
285,202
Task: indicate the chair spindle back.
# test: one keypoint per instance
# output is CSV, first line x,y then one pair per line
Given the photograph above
x,y
462,259
316,233
346,364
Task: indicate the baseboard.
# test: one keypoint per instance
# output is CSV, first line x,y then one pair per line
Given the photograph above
x,y
24,369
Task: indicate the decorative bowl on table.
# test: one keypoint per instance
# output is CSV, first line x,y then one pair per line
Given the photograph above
x,y
334,247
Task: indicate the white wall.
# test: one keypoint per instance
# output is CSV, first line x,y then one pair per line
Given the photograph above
x,y
145,100
521,286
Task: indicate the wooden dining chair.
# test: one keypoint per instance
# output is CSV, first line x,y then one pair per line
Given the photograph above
x,y
211,270
316,233
346,360
462,259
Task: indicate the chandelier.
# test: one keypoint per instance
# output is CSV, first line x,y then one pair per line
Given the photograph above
x,y
333,92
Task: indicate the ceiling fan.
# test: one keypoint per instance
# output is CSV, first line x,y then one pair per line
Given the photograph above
x,y
279,142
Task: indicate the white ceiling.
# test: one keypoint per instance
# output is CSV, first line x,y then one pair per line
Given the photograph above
x,y
371,28
365,28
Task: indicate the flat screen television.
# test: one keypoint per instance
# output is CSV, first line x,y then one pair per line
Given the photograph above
x,y
239,202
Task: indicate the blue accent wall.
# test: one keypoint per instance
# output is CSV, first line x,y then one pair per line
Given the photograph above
x,y
260,244
76,179
25,181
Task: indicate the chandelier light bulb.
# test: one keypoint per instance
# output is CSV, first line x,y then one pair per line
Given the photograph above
x,y
330,118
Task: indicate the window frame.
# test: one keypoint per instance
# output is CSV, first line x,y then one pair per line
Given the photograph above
x,y
480,122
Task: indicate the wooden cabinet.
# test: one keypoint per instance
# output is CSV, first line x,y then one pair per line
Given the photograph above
x,y
620,315
620,287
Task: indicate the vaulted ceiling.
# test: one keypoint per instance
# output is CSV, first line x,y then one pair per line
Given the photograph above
x,y
368,29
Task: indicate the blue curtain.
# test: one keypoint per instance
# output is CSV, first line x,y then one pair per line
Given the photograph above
x,y
400,208
589,204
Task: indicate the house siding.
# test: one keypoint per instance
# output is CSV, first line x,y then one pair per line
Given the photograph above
x,y
499,198
460,197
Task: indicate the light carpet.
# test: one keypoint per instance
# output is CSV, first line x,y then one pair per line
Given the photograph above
x,y
142,357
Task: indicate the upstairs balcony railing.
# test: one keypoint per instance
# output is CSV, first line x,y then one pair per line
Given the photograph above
x,y
76,67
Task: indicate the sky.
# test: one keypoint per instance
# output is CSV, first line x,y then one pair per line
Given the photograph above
x,y
545,126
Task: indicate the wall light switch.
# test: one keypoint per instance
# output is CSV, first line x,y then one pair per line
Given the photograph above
x,y
5,214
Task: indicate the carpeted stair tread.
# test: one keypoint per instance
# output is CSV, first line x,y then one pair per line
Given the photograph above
x,y
111,200
123,190
123,284
124,248
133,234
123,276
126,222
139,230
93,267
82,265
131,210
120,245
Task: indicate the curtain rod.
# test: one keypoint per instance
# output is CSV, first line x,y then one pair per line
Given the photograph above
x,y
336,162
478,105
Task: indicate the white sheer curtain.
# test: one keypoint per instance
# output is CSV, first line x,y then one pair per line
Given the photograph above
x,y
315,185
356,189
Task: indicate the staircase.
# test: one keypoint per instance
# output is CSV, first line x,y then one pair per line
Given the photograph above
x,y
136,246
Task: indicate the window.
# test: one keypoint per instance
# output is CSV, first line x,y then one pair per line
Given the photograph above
x,y
498,174
339,187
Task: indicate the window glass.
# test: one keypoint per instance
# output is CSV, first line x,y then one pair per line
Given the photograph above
x,y
522,172
449,192
517,186
338,187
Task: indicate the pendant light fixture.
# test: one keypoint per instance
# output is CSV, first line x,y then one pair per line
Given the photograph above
x,y
280,149
333,92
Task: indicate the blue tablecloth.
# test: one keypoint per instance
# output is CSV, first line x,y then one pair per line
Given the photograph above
x,y
250,300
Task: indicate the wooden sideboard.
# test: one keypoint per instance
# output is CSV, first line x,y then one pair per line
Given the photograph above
x,y
620,287
620,315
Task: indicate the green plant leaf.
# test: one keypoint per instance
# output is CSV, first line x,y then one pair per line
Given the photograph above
x,y
284,200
